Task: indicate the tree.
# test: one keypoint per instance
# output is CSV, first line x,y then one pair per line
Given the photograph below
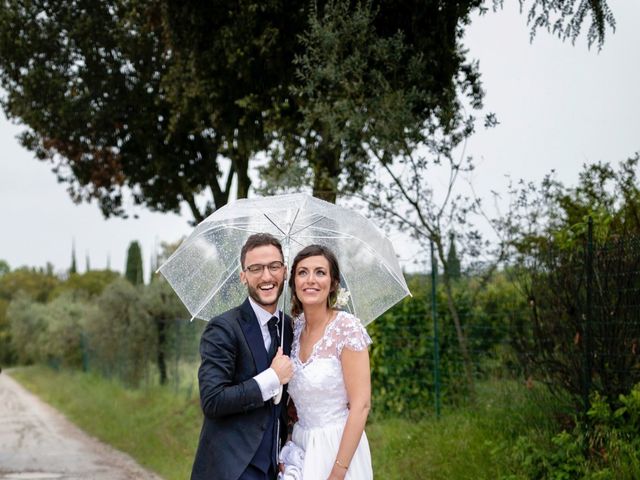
x,y
583,326
164,309
87,79
232,69
120,334
371,76
170,101
4,267
28,326
73,269
453,261
133,270
87,285
63,344
36,285
565,18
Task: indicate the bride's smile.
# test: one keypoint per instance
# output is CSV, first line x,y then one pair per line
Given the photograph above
x,y
313,281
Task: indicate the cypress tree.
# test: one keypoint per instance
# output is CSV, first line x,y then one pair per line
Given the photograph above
x,y
453,262
74,268
133,271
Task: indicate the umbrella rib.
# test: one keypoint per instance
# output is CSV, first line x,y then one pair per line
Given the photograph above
x,y
274,224
295,217
322,217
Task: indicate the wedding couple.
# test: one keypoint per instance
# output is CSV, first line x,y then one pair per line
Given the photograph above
x,y
324,368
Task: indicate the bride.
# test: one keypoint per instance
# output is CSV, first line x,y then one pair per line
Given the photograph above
x,y
331,385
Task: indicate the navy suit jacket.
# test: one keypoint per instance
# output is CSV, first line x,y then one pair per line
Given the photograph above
x,y
235,416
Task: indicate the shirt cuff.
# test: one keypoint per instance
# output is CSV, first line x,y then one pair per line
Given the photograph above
x,y
269,383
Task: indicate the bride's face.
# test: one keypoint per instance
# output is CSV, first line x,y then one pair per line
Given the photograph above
x,y
313,281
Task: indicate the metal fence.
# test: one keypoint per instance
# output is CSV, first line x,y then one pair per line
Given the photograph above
x,y
576,328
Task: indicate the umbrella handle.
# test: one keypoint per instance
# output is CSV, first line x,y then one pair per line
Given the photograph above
x,y
278,397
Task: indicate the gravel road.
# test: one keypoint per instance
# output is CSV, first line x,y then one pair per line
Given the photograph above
x,y
38,443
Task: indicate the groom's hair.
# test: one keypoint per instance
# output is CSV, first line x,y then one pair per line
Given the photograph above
x,y
259,240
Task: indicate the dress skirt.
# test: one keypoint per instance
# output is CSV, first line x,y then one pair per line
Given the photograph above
x,y
320,447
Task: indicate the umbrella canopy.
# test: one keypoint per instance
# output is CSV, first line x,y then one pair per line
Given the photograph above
x,y
205,270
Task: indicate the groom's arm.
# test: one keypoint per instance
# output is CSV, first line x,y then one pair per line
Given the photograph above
x,y
219,395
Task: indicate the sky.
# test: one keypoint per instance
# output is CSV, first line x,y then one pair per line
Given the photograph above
x,y
559,106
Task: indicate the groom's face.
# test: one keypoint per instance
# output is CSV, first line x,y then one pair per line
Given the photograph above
x,y
264,282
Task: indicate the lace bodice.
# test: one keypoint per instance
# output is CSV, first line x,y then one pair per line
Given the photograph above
x,y
317,386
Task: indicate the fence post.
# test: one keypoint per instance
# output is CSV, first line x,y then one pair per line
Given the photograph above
x,y
436,341
588,347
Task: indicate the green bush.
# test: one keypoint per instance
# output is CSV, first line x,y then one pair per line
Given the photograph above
x,y
402,354
121,334
64,343
607,448
28,327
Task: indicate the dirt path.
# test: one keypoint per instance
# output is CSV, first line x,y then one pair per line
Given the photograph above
x,y
38,443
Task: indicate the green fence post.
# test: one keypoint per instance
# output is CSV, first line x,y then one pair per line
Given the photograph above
x,y
588,347
436,342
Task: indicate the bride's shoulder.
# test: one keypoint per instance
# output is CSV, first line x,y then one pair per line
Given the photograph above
x,y
346,318
347,322
350,332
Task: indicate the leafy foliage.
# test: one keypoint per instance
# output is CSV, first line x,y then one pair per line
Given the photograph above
x,y
87,79
565,18
35,284
28,328
165,310
402,354
612,443
118,333
63,345
168,102
583,300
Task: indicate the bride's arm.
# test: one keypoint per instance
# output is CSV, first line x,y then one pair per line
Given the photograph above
x,y
357,380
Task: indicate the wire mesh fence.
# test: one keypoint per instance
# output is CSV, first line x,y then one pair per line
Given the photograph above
x,y
573,322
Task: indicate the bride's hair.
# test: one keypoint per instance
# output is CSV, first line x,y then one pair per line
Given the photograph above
x,y
334,271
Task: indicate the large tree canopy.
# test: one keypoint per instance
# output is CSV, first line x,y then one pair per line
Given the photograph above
x,y
86,78
171,100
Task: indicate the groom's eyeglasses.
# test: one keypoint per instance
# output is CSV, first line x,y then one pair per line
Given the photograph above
x,y
257,268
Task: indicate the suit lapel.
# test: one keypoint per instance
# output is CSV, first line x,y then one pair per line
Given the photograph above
x,y
253,335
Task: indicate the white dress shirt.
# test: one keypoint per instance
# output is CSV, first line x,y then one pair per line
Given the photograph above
x,y
268,380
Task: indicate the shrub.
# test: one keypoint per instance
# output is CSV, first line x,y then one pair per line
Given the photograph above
x,y
28,327
120,335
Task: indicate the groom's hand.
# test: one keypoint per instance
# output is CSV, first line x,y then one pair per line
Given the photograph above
x,y
283,367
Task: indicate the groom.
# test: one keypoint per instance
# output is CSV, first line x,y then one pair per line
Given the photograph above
x,y
241,373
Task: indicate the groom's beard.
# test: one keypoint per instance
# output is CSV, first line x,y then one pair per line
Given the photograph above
x,y
255,293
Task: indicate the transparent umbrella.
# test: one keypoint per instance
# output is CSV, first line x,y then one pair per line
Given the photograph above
x,y
205,270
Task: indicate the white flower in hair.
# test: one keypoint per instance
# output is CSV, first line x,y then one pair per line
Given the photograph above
x,y
342,299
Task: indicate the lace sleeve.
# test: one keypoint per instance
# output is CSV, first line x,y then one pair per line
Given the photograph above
x,y
351,334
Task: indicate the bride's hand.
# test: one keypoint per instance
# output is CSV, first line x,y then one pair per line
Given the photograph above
x,y
337,473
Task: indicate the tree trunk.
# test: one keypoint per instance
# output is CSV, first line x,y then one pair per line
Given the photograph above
x,y
325,173
453,310
161,327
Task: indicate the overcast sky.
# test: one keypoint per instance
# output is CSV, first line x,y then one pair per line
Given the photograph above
x,y
559,106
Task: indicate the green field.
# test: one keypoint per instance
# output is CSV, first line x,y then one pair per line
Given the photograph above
x,y
160,428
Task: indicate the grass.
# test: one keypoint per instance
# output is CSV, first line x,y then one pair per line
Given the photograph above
x,y
160,428
465,443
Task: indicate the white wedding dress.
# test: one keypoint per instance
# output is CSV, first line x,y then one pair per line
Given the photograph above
x,y
318,391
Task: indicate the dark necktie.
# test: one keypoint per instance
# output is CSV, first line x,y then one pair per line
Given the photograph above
x,y
275,340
